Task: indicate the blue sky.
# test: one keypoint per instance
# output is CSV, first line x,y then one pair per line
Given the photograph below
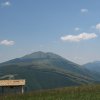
x,y
70,28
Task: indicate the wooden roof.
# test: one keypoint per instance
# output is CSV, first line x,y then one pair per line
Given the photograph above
x,y
12,82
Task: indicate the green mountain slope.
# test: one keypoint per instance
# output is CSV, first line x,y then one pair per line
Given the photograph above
x,y
44,71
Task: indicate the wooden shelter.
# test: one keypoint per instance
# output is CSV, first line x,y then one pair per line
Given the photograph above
x,y
12,84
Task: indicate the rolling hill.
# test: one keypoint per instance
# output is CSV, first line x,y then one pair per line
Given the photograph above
x,y
45,71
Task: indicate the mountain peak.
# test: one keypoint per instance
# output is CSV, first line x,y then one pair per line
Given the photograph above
x,y
41,55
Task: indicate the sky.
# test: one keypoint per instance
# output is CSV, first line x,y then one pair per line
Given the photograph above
x,y
70,28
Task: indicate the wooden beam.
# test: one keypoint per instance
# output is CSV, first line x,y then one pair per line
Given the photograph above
x,y
2,89
22,89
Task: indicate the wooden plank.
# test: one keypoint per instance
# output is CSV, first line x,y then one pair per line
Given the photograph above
x,y
12,82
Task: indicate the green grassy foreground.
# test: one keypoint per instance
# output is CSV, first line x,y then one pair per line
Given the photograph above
x,y
71,93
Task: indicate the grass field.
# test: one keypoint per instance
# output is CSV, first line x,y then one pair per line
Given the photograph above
x,y
90,92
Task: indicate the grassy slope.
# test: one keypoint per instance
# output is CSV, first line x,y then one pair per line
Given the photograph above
x,y
71,93
38,77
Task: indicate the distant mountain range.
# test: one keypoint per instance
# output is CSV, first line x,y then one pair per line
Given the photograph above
x,y
93,66
46,70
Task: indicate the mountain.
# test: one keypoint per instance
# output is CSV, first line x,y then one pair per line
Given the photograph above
x,y
93,66
41,55
45,70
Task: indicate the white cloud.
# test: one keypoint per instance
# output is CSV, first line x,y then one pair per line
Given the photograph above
x,y
7,43
6,4
84,10
98,26
77,29
77,38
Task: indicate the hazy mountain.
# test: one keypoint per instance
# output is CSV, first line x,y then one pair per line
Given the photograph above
x,y
93,66
45,70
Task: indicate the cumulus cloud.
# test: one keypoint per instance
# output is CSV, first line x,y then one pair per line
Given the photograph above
x,y
6,4
84,10
7,42
77,38
77,29
98,26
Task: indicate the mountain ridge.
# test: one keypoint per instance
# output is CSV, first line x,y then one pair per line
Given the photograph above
x,y
46,70
41,54
93,66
